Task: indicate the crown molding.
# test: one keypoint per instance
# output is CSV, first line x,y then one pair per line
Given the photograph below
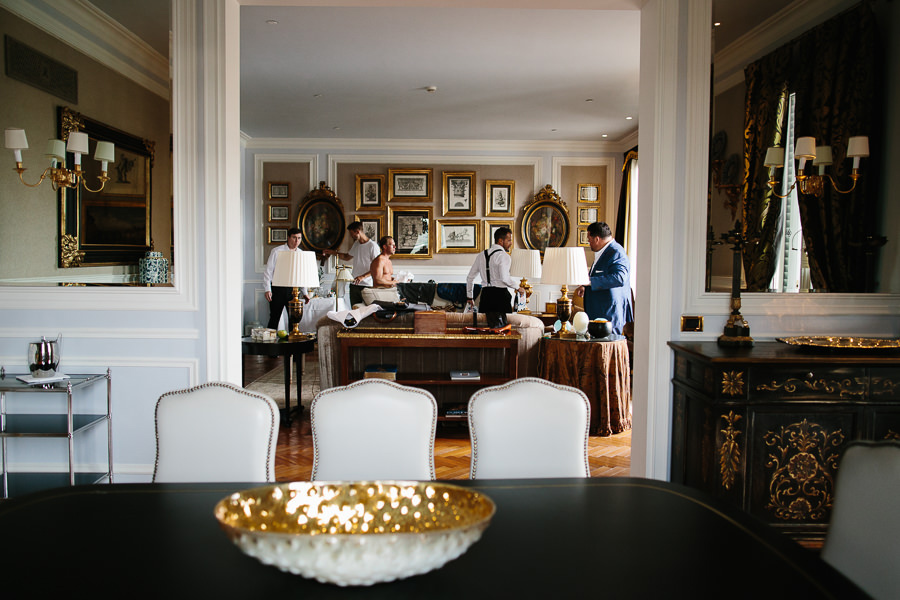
x,y
88,30
429,145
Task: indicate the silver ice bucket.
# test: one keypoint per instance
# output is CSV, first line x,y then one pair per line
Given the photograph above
x,y
43,357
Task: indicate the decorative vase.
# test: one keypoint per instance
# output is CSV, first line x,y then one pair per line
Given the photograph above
x,y
599,328
154,268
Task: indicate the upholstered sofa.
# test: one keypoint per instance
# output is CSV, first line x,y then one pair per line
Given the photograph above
x,y
530,328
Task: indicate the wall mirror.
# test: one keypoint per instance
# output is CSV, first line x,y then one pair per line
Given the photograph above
x,y
869,264
42,229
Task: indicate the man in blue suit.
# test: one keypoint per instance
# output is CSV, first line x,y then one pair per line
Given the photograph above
x,y
609,296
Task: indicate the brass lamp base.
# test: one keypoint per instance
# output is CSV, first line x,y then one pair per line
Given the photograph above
x,y
528,289
295,314
564,305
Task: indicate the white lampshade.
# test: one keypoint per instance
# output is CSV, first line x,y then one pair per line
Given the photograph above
x,y
56,149
806,148
78,143
565,266
525,263
823,155
105,151
296,268
856,146
16,139
774,157
343,274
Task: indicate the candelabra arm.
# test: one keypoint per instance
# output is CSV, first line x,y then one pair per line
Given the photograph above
x,y
20,170
103,179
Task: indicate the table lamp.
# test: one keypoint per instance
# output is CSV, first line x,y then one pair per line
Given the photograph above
x,y
342,277
296,269
564,266
525,264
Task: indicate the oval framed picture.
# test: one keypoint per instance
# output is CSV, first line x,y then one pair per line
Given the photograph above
x,y
321,222
545,225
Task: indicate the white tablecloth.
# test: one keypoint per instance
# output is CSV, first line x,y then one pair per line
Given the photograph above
x,y
312,311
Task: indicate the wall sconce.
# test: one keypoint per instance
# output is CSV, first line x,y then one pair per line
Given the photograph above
x,y
857,147
61,177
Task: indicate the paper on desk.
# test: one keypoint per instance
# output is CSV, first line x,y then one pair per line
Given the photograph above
x,y
31,380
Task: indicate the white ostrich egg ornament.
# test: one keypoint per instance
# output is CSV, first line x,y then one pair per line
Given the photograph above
x,y
580,322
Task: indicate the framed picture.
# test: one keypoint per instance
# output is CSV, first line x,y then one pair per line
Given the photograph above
x,y
545,222
499,198
277,235
589,193
280,189
458,237
410,184
588,215
491,226
372,226
109,226
583,237
369,192
411,230
459,194
321,220
279,212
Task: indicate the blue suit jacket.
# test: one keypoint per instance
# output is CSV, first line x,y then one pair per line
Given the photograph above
x,y
609,295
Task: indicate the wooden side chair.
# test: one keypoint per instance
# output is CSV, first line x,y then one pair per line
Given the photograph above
x,y
529,427
215,432
373,429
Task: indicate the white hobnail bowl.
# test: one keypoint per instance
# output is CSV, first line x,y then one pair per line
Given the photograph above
x,y
355,533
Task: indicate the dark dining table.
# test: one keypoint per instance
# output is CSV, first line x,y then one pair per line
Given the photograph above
x,y
290,350
550,538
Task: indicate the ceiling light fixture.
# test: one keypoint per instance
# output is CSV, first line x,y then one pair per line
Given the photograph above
x,y
271,22
431,89
628,118
589,100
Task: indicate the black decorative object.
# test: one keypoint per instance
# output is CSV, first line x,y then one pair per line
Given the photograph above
x,y
737,330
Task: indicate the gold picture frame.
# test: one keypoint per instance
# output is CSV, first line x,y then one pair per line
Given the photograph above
x,y
588,215
583,237
589,193
276,235
373,225
370,192
412,231
458,236
279,190
491,226
279,212
459,193
499,197
410,185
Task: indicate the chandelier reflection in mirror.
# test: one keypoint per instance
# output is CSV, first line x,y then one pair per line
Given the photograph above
x,y
857,147
57,173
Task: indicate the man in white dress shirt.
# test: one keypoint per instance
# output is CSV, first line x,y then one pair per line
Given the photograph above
x,y
493,267
363,251
279,296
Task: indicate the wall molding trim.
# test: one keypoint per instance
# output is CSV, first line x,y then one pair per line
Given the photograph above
x,y
430,145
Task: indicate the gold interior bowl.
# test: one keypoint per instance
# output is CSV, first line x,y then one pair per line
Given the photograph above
x,y
355,533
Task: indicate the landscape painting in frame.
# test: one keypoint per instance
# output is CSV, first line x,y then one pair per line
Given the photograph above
x,y
410,184
411,230
458,236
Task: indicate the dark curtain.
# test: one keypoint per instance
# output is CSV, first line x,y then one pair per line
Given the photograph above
x,y
621,233
832,70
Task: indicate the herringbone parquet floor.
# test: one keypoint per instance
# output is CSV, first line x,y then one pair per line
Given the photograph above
x,y
608,456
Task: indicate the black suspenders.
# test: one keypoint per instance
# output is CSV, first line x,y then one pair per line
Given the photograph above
x,y
487,264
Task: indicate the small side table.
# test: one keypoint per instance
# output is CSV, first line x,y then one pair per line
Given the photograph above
x,y
289,350
600,370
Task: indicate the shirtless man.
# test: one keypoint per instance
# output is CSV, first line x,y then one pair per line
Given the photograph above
x,y
384,286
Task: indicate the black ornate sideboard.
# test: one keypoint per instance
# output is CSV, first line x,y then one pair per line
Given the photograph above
x,y
764,427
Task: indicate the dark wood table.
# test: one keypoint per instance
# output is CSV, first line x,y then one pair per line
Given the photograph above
x,y
599,369
288,349
558,538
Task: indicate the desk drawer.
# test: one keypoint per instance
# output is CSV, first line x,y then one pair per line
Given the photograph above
x,y
810,382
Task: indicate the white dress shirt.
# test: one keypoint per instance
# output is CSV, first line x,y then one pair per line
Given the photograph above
x,y
500,262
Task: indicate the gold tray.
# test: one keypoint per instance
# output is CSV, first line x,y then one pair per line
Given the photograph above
x,y
841,343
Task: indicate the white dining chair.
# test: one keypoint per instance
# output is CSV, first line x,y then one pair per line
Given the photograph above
x,y
215,432
529,427
373,429
865,523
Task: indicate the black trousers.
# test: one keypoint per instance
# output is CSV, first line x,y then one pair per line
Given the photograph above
x,y
495,299
280,297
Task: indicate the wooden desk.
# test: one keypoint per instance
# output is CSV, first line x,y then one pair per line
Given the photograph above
x,y
600,370
289,350
425,360
573,538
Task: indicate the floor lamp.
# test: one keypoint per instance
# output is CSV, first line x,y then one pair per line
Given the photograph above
x,y
296,269
565,266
